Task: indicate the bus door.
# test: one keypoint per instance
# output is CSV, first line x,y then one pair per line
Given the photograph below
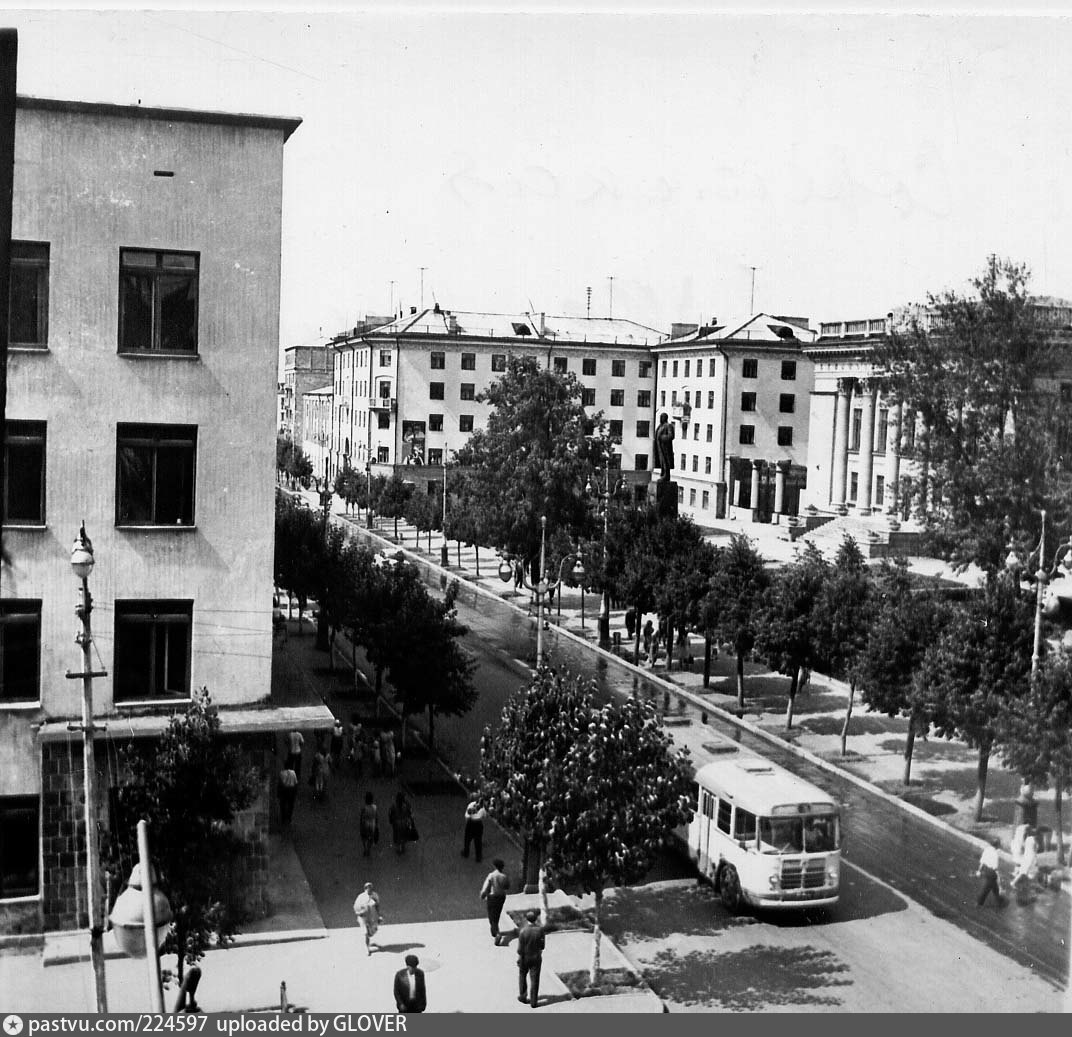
x,y
704,815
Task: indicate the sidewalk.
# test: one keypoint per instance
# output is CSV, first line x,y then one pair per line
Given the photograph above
x,y
943,772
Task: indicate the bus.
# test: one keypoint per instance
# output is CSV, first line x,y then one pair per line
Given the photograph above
x,y
764,837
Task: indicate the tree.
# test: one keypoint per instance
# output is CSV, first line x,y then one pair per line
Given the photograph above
x,y
422,511
350,485
1035,733
533,458
907,621
975,369
786,630
977,668
844,614
730,606
601,789
189,785
392,499
299,550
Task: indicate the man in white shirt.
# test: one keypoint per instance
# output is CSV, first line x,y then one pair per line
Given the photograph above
x,y
474,828
295,741
988,874
410,991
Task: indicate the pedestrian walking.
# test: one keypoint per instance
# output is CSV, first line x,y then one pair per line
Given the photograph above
x,y
374,755
367,910
474,828
1027,868
295,741
369,824
519,575
493,892
319,777
387,751
357,745
403,828
279,621
989,875
287,789
530,943
410,993
649,632
338,736
630,622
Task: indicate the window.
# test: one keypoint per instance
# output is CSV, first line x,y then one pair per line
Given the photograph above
x,y
20,844
617,397
640,462
439,361
385,389
787,403
681,495
468,391
383,455
882,430
643,429
880,489
588,397
614,461
24,473
707,466
435,390
695,431
20,651
465,423
560,365
857,422
706,500
468,361
785,435
750,369
710,433
588,365
617,369
662,397
28,295
435,455
744,826
157,301
383,419
154,475
695,462
710,401
615,428
643,398
748,401
683,462
692,498
854,485
644,369
675,368
433,487
152,650
673,396
711,367
684,431
748,435
498,362
789,370
664,369
687,363
723,815
385,358
435,422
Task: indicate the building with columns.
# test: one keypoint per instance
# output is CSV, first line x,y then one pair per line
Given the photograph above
x,y
738,395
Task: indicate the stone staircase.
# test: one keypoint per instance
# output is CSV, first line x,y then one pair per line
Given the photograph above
x,y
872,534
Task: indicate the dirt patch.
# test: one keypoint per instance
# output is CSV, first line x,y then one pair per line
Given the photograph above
x,y
559,919
610,981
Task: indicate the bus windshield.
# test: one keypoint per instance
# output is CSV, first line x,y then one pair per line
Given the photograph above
x,y
816,833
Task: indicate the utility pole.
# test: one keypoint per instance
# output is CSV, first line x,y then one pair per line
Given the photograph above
x,y
752,299
589,311
443,560
391,285
610,309
82,564
423,268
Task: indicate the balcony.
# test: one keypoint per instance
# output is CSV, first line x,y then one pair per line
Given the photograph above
x,y
680,411
387,403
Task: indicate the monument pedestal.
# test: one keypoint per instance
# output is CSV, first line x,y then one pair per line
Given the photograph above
x,y
666,498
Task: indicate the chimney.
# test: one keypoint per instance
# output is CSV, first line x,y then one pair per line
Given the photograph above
x,y
413,309
543,324
436,310
452,324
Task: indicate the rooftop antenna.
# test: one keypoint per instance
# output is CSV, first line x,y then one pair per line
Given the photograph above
x,y
391,307
610,309
423,268
752,300
589,291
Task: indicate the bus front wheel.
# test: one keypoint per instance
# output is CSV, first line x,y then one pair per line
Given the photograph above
x,y
729,888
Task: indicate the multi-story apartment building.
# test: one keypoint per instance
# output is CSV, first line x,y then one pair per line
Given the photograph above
x,y
406,393
737,394
315,435
141,400
305,368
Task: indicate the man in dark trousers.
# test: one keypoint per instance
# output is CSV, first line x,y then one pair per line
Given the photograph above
x,y
494,893
410,995
474,828
529,959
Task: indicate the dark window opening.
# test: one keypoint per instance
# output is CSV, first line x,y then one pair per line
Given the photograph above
x,y
19,846
28,294
158,298
24,473
20,651
155,475
152,650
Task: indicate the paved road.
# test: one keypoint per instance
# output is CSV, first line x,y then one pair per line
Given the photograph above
x,y
919,859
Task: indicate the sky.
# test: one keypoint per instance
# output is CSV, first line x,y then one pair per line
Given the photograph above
x,y
855,161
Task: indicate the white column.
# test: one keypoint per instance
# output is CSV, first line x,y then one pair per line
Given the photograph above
x,y
867,447
757,467
893,457
779,486
841,444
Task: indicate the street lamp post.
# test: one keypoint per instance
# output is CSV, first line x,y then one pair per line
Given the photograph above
x,y
82,565
604,615
542,586
368,499
141,916
443,560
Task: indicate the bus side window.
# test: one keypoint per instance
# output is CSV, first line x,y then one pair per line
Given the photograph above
x,y
707,804
744,826
724,816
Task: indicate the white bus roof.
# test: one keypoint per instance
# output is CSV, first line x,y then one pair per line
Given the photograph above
x,y
758,785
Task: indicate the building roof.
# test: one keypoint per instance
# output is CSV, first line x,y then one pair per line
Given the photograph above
x,y
523,327
327,390
760,327
287,124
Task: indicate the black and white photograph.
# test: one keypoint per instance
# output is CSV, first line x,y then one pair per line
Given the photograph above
x,y
571,495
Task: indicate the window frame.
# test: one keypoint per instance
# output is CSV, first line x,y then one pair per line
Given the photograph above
x,y
437,360
644,368
22,612
467,391
436,390
468,361
643,429
560,364
643,398
30,806
746,435
465,420
617,397
750,367
435,422
498,363
789,370
155,436
41,266
156,274
160,614
787,403
588,366
785,435
435,456
25,435
748,402
617,368
640,462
